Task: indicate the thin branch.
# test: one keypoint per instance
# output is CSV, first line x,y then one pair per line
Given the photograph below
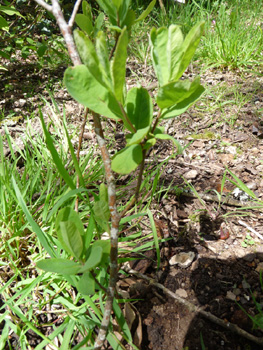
x,y
44,4
250,229
74,12
66,32
113,233
193,308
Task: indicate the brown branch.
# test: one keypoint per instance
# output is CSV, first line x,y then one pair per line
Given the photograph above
x,y
193,308
66,32
113,233
64,28
44,4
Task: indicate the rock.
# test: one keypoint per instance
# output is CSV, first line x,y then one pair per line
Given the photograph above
x,y
183,260
252,185
230,295
181,293
192,174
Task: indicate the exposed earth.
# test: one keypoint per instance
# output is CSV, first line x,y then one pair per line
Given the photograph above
x,y
223,130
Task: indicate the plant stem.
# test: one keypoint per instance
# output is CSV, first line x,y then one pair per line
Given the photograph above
x,y
156,121
113,233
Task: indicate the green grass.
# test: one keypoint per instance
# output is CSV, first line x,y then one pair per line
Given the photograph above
x,y
233,35
32,190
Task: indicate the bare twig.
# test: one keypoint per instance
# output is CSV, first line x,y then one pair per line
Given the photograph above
x,y
193,308
74,12
44,4
250,229
114,233
64,28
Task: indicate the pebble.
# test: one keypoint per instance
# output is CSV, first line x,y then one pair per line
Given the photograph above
x,y
192,174
181,293
230,295
183,260
252,185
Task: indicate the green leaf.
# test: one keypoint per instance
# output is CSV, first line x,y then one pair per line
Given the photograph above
x,y
101,211
158,40
139,107
86,9
175,92
189,46
106,248
93,259
102,214
181,107
57,160
98,23
123,12
68,214
86,284
84,23
4,24
138,136
117,3
174,50
103,56
103,192
89,57
10,11
118,68
61,266
149,143
85,89
129,20
127,160
110,9
146,12
70,231
169,137
70,238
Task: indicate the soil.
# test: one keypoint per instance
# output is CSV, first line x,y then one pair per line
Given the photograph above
x,y
224,277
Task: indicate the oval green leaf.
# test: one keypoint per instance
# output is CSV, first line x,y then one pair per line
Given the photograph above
x,y
139,107
61,266
85,89
127,160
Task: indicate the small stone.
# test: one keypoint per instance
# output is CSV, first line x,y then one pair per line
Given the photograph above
x,y
192,174
237,291
183,260
181,293
230,295
245,285
252,185
21,102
